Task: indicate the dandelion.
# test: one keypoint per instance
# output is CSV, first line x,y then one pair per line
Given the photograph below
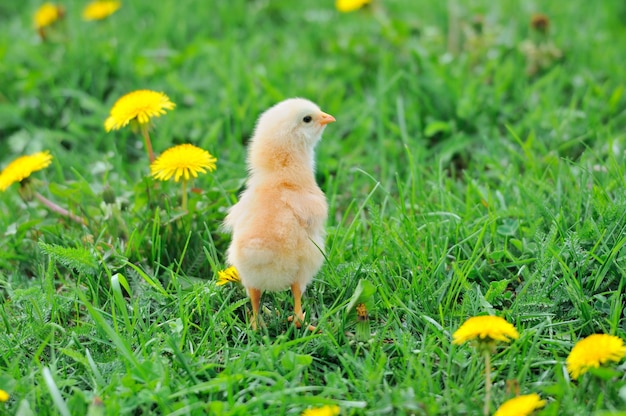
x,y
229,275
361,312
328,410
138,106
22,167
4,396
46,15
346,6
361,305
19,171
363,329
485,331
540,22
185,160
594,351
182,161
100,9
520,405
540,52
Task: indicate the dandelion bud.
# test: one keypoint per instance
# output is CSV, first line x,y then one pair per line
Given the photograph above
x,y
108,195
540,23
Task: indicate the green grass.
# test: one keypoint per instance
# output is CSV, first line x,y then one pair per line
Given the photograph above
x,y
459,184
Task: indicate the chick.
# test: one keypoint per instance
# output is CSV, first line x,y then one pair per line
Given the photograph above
x,y
278,224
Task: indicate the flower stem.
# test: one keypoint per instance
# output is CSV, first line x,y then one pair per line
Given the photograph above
x,y
487,382
184,202
61,211
146,138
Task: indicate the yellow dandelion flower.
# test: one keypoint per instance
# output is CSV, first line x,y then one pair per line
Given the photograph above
x,y
485,328
22,167
593,351
4,396
485,331
520,405
329,410
350,5
229,275
185,160
182,161
100,9
47,14
139,105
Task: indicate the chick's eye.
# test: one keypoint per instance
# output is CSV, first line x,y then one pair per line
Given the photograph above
x,y
307,119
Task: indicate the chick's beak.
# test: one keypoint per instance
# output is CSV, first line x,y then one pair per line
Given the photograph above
x,y
326,119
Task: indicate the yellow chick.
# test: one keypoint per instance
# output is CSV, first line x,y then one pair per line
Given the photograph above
x,y
278,224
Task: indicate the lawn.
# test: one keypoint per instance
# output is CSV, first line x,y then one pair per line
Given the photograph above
x,y
477,167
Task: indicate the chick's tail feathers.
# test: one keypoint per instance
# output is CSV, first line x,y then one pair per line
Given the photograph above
x,y
265,266
254,252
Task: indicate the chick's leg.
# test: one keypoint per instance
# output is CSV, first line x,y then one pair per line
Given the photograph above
x,y
298,318
297,304
255,299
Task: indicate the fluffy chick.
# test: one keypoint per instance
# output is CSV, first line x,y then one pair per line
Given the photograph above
x,y
278,224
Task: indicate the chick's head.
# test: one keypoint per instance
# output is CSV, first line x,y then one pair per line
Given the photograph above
x,y
293,122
